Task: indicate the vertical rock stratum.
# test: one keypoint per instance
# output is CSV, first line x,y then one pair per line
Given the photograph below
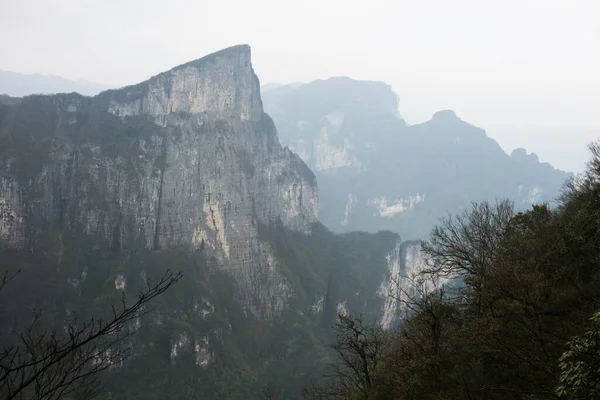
x,y
187,157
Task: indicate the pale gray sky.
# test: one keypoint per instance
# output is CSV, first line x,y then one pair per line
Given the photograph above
x,y
529,64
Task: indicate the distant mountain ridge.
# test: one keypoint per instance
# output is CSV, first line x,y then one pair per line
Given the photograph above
x,y
375,171
18,85
265,87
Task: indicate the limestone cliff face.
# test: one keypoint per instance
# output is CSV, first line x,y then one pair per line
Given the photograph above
x,y
220,85
324,120
11,221
185,158
405,281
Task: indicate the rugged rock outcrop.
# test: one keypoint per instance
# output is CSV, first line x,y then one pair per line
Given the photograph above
x,y
404,282
220,86
185,158
11,220
324,121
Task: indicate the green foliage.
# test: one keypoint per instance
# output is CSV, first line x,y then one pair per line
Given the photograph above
x,y
580,365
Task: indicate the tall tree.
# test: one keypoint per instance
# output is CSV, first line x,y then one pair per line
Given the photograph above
x,y
359,349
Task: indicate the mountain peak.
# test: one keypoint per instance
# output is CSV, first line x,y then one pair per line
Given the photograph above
x,y
338,94
445,115
521,154
242,51
220,85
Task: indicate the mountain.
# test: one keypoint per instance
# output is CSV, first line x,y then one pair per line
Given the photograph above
x,y
99,195
549,139
15,84
265,87
377,172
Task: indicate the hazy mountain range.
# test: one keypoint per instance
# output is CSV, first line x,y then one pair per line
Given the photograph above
x,y
15,84
377,172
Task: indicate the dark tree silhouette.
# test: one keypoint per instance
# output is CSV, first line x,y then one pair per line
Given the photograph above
x,y
312,391
360,350
269,392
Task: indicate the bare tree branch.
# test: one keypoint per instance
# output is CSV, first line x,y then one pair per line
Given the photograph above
x,y
360,349
7,277
52,365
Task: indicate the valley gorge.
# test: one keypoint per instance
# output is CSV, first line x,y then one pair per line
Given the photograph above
x,y
99,195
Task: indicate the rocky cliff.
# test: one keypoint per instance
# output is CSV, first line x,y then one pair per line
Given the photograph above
x,y
185,158
325,121
221,85
185,171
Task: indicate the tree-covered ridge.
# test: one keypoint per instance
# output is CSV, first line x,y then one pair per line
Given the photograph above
x,y
522,323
